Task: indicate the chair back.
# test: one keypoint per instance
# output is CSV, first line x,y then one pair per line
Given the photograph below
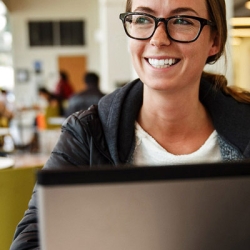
x,y
16,187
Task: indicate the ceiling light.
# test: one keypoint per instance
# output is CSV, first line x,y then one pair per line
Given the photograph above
x,y
3,9
240,32
240,21
3,22
247,5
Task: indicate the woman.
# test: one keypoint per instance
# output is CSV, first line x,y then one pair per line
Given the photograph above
x,y
174,114
64,89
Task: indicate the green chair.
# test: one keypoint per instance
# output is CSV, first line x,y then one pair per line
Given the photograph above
x,y
16,187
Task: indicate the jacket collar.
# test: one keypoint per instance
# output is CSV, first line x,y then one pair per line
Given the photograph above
x,y
119,110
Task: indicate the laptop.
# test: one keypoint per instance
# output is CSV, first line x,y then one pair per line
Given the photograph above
x,y
201,206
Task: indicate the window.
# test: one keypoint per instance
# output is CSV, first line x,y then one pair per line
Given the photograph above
x,y
41,33
71,33
56,33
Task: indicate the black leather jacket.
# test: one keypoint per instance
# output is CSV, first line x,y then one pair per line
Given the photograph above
x,y
105,135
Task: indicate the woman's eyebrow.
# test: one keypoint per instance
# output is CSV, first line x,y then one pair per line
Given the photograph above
x,y
183,9
144,9
172,12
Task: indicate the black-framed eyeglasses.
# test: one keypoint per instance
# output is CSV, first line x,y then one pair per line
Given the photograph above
x,y
182,28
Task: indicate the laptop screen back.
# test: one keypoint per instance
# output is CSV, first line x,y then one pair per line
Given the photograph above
x,y
179,207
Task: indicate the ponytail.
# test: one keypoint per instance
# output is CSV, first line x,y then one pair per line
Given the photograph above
x,y
220,82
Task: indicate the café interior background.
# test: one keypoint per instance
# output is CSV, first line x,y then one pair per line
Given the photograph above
x,y
23,68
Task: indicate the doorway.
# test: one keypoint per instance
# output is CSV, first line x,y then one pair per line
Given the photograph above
x,y
76,67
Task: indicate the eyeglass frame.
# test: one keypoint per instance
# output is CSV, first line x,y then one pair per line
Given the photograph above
x,y
157,20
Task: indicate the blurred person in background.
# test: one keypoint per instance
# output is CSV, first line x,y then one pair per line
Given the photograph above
x,y
91,95
6,109
49,106
63,90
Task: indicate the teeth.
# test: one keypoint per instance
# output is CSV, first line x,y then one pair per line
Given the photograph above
x,y
162,63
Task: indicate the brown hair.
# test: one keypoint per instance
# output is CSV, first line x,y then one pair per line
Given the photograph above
x,y
128,5
220,82
217,14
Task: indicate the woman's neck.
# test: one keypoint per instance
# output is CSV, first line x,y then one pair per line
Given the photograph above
x,y
180,124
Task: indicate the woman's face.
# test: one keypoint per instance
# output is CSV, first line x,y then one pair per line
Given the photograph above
x,y
187,59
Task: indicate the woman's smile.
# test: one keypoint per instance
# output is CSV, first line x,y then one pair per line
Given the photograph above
x,y
162,63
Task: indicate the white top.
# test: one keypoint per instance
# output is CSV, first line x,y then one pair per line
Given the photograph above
x,y
149,152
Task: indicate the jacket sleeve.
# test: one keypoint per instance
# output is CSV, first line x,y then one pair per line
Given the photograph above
x,y
71,150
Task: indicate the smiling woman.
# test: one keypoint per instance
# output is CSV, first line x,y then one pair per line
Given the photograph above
x,y
175,113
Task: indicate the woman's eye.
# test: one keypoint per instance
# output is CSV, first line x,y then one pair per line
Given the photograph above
x,y
142,20
182,21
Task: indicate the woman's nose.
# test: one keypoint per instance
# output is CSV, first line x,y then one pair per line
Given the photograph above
x,y
160,37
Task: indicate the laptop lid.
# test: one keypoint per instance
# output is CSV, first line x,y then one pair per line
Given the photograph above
x,y
203,206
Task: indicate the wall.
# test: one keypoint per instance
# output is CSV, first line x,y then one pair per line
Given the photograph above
x,y
115,58
24,56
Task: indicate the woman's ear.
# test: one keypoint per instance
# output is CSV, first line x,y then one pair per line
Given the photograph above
x,y
215,48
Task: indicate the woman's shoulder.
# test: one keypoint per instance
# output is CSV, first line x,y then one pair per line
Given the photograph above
x,y
82,116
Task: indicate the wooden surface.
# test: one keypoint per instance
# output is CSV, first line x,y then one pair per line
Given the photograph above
x,y
26,160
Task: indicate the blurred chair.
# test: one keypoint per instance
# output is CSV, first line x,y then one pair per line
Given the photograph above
x,y
52,112
16,187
